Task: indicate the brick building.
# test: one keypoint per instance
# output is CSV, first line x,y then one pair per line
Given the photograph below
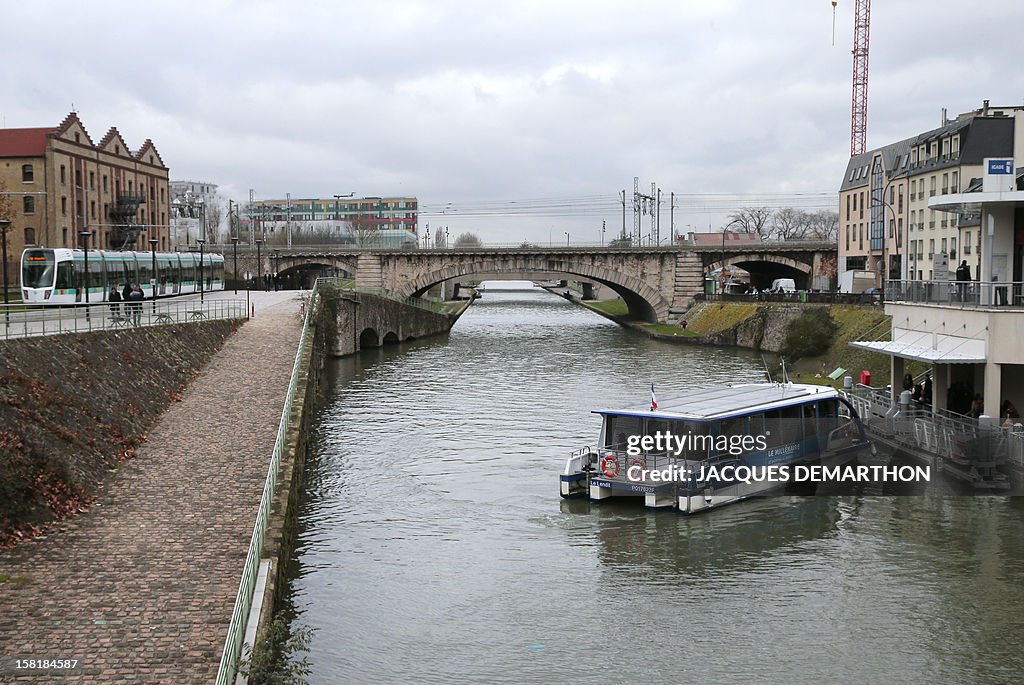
x,y
58,182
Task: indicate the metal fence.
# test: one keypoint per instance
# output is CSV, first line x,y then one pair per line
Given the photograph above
x,y
243,600
25,320
962,294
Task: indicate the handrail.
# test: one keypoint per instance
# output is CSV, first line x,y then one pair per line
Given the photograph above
x,y
243,600
28,320
953,293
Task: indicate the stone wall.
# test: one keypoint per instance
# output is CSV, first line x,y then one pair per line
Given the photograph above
x,y
358,320
74,406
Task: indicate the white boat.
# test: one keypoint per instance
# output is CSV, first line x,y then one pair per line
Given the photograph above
x,y
717,445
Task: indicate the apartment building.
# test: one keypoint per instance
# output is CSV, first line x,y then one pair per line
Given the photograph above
x,y
914,241
59,183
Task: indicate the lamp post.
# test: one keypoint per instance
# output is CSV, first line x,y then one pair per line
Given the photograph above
x,y
721,274
152,248
567,238
277,267
4,225
234,250
84,235
259,264
202,276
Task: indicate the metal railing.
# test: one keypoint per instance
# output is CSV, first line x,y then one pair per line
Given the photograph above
x,y
243,600
27,320
961,294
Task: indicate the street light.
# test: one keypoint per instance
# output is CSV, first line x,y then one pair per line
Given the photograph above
x,y
4,225
277,267
234,270
84,235
259,264
721,274
201,274
567,238
152,247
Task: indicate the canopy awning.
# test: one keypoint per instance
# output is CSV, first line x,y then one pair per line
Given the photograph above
x,y
919,353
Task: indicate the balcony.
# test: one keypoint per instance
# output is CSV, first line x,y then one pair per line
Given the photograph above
x,y
957,293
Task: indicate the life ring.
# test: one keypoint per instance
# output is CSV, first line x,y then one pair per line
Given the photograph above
x,y
639,461
610,465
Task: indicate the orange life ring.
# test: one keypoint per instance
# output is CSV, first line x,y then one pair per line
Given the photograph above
x,y
639,461
610,465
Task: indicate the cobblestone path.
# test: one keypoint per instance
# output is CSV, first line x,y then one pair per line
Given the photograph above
x,y
141,588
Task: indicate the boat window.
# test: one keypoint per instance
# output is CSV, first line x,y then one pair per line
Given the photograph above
x,y
783,426
619,429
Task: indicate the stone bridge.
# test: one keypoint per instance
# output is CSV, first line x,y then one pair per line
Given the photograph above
x,y
656,283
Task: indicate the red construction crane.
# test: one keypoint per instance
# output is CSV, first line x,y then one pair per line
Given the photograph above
x,y
859,110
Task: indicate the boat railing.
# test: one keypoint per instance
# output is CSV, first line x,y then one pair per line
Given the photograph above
x,y
623,461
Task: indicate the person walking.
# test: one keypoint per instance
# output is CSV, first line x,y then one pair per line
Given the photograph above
x,y
115,301
135,297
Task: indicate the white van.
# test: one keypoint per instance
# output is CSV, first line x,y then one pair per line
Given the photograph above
x,y
783,285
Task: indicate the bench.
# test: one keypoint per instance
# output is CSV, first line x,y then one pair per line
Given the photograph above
x,y
118,321
196,314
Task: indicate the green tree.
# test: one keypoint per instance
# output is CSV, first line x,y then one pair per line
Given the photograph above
x,y
810,334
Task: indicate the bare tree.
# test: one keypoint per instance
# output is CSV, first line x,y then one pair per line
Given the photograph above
x,y
364,230
789,224
468,240
213,214
441,239
752,220
823,225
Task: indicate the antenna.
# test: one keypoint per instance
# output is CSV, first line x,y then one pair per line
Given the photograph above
x,y
767,372
834,3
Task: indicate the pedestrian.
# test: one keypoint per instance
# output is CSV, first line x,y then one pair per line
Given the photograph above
x,y
977,407
115,301
135,297
926,391
682,324
908,382
125,293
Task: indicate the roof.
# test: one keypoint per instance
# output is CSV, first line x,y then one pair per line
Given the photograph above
x,y
729,400
24,142
919,353
894,159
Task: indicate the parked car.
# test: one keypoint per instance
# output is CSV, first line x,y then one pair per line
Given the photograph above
x,y
871,296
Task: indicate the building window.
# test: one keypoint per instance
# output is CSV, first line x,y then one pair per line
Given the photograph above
x,y
78,178
64,206
955,187
64,236
92,180
28,204
28,174
63,174
30,236
104,183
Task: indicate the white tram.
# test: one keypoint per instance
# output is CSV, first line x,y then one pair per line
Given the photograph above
x,y
59,277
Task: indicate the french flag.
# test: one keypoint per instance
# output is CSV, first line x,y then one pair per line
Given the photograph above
x,y
654,398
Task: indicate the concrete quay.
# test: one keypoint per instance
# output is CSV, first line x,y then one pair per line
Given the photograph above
x,y
141,587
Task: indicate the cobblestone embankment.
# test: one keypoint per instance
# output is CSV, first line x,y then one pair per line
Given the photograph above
x,y
141,587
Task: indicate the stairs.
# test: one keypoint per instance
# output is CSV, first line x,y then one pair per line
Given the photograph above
x,y
368,272
689,281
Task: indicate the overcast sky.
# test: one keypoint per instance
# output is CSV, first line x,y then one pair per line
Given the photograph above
x,y
497,105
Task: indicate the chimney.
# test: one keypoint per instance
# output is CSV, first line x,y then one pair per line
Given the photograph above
x,y
945,117
984,108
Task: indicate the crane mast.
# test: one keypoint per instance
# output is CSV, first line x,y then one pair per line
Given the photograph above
x,y
859,109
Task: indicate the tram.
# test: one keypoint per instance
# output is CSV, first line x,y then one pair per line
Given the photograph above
x,y
59,277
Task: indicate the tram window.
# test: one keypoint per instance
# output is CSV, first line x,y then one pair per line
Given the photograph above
x,y
65,276
145,272
96,274
79,273
37,271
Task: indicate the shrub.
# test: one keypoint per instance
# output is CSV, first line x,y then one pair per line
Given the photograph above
x,y
810,334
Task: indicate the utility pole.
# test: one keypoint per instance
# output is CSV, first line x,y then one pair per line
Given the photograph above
x,y
288,217
658,232
623,236
636,208
672,215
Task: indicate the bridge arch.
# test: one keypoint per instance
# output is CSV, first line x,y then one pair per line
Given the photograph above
x,y
645,303
765,268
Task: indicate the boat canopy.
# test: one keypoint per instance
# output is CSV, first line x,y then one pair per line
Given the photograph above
x,y
720,402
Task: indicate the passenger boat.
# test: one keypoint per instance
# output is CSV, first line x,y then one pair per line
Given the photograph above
x,y
707,435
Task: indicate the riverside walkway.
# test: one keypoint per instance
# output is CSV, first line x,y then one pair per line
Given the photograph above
x,y
142,586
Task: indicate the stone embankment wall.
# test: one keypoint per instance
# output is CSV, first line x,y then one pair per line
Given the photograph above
x,y
362,320
74,406
757,327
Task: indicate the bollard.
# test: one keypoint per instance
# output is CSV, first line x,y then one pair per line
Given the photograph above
x,y
848,383
252,314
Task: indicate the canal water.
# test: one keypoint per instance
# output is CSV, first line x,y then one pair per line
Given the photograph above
x,y
433,546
